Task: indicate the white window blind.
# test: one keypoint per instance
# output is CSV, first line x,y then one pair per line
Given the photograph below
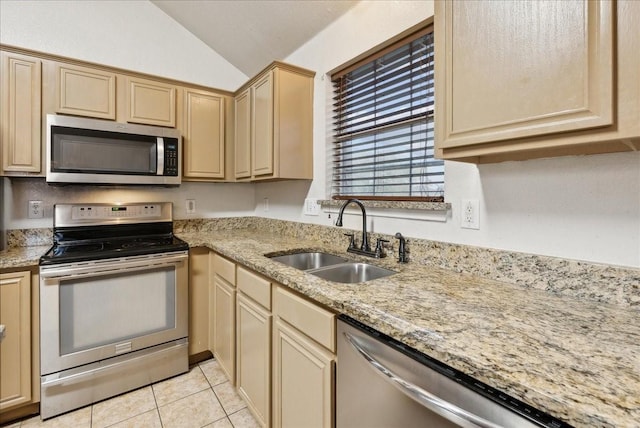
x,y
383,125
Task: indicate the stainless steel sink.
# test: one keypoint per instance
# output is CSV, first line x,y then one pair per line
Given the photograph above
x,y
351,273
309,260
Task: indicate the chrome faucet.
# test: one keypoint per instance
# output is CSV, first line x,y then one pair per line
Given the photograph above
x,y
402,248
365,248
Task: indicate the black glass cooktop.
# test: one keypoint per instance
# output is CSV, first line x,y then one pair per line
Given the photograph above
x,y
95,243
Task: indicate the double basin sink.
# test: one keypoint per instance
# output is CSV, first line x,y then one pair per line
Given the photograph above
x,y
333,268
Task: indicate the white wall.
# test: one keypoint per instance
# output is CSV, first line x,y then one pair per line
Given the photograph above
x,y
584,208
212,200
134,35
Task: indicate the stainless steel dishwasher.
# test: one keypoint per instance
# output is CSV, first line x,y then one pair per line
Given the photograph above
x,y
383,383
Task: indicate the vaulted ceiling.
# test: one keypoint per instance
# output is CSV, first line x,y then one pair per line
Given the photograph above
x,y
250,34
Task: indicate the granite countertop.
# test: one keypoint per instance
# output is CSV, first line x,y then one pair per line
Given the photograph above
x,y
575,359
22,257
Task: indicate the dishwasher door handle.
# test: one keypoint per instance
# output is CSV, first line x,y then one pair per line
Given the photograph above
x,y
423,397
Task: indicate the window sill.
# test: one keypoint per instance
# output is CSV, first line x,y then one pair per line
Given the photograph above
x,y
394,205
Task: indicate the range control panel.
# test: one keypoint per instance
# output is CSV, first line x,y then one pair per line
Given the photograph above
x,y
104,212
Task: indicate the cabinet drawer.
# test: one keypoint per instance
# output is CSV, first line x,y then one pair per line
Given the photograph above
x,y
312,320
254,286
225,269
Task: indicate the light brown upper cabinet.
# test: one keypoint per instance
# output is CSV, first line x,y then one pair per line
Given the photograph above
x,y
203,134
21,114
151,102
280,124
85,91
520,80
262,141
243,135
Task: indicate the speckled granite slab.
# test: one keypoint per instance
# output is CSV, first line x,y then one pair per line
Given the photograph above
x,y
21,257
573,358
597,282
29,237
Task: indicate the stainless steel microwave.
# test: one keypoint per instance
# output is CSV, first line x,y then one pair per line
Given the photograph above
x,y
94,151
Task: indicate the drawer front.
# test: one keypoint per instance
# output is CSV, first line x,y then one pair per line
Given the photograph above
x,y
314,321
225,269
254,286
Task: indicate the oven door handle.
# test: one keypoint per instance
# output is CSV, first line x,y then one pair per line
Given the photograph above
x,y
99,268
423,397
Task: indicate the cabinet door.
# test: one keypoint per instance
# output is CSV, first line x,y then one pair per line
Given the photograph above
x,y
203,134
508,70
303,380
151,102
224,323
292,124
243,135
262,126
253,339
15,347
198,300
21,105
84,91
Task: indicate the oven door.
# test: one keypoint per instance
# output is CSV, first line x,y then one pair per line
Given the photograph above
x,y
91,311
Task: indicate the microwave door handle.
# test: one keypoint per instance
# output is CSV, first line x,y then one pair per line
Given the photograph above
x,y
425,398
160,156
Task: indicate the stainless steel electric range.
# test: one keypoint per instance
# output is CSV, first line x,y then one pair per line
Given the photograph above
x,y
113,303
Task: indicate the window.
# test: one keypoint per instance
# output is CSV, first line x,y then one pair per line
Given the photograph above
x,y
383,125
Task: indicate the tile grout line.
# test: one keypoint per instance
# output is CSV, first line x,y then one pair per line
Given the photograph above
x,y
155,400
226,415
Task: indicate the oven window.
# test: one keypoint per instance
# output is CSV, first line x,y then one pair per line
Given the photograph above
x,y
114,308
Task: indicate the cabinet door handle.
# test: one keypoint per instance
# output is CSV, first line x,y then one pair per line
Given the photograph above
x,y
423,397
2,327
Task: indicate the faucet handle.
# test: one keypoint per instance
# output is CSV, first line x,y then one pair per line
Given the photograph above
x,y
380,247
352,241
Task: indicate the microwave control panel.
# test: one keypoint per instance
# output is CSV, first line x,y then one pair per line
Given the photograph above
x,y
171,157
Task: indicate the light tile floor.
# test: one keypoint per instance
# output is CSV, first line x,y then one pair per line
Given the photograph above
x,y
203,397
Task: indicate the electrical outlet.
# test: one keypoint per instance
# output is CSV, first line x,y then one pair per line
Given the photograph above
x,y
36,209
311,207
191,206
470,218
265,204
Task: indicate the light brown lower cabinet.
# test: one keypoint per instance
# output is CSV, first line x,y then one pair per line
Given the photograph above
x,y
253,343
276,346
303,385
303,362
15,347
223,315
253,339
20,345
198,300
